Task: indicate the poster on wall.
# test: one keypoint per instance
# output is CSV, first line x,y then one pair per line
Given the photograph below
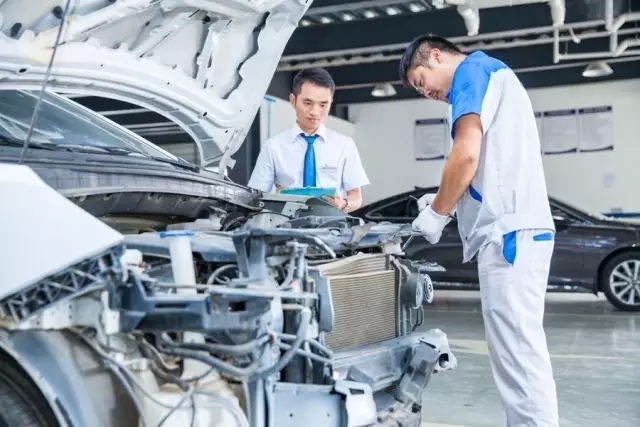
x,y
431,139
560,131
596,129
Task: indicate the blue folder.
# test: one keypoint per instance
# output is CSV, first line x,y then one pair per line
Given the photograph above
x,y
309,192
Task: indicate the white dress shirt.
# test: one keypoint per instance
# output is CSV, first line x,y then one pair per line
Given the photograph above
x,y
281,162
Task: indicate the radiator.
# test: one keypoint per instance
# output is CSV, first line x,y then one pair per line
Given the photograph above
x,y
364,299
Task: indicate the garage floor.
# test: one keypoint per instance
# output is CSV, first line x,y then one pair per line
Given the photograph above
x,y
595,352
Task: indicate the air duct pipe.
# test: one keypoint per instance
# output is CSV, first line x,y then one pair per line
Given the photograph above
x,y
608,25
469,10
471,17
613,27
558,12
353,57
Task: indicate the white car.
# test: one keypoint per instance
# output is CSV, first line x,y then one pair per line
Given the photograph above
x,y
95,329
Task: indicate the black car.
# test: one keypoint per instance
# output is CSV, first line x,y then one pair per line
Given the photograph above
x,y
591,251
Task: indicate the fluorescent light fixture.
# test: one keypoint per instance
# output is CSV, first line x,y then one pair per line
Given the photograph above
x,y
392,11
416,7
326,20
597,69
305,22
383,90
347,17
369,14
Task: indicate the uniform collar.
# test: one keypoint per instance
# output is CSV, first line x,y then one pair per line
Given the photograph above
x,y
321,132
471,56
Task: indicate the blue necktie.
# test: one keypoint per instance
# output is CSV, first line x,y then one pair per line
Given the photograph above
x,y
309,172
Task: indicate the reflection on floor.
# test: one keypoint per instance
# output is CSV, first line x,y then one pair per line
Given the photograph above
x,y
595,352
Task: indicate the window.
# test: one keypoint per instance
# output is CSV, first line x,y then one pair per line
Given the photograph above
x,y
61,121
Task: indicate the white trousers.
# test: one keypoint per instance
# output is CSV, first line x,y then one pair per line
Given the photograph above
x,y
513,308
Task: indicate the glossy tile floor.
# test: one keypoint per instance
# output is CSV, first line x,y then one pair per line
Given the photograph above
x,y
595,351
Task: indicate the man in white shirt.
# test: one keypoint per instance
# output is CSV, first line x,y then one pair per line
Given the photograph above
x,y
309,154
495,181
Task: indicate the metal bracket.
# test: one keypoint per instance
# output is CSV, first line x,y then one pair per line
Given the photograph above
x,y
361,408
418,374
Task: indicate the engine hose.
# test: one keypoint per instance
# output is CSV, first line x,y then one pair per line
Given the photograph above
x,y
305,353
313,343
218,364
218,271
232,349
301,334
169,378
251,372
115,370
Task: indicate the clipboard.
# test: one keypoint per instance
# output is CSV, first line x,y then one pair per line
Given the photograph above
x,y
318,192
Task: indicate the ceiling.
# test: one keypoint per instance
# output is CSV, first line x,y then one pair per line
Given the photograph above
x,y
360,41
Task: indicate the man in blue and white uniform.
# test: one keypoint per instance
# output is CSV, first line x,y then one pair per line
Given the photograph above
x,y
494,180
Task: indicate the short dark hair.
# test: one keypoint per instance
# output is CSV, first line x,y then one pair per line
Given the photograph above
x,y
417,53
317,76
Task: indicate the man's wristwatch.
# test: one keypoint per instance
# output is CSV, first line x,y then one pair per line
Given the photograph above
x,y
345,208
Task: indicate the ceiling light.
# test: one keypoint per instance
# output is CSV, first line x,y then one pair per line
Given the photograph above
x,y
383,90
392,11
597,69
305,23
347,17
415,7
326,20
369,14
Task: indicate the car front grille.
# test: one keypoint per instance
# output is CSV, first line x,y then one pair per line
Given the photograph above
x,y
364,299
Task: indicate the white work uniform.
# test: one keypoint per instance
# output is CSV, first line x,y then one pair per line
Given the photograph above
x,y
504,218
281,162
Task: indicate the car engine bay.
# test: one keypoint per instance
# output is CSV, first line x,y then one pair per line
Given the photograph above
x,y
298,311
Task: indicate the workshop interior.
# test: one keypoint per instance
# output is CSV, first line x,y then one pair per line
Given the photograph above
x,y
144,283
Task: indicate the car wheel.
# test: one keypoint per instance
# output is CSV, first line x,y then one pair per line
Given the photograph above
x,y
620,281
21,403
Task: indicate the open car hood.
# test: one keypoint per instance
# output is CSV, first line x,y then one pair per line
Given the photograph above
x,y
204,64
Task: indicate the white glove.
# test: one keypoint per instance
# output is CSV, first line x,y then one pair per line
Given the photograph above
x,y
430,223
427,200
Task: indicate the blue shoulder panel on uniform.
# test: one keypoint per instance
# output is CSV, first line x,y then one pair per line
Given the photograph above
x,y
470,84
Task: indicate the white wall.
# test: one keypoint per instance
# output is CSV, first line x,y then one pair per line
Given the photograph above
x,y
277,115
385,135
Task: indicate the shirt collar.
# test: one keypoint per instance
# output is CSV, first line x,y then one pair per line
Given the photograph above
x,y
321,132
472,56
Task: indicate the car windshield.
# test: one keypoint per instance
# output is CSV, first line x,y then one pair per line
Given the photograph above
x,y
63,122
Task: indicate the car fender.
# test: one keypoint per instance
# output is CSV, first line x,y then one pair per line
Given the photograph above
x,y
626,246
71,377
